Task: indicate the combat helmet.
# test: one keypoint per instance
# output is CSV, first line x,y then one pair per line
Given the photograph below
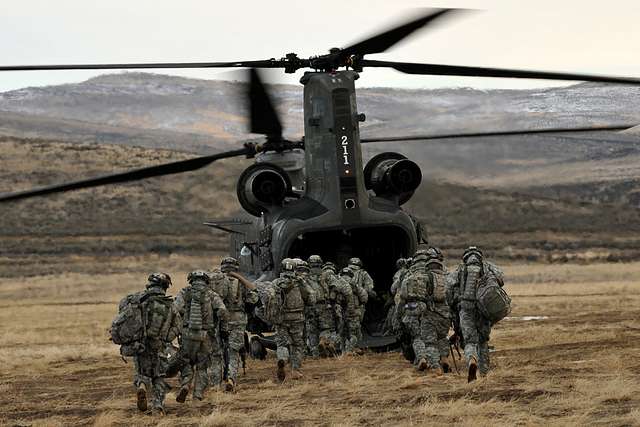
x,y
198,276
435,253
420,256
472,250
329,266
315,261
355,261
287,265
401,263
159,279
302,266
346,272
229,263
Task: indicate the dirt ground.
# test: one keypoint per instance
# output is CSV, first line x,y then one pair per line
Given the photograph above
x,y
568,355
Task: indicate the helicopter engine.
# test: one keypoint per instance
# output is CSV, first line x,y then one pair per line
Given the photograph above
x,y
263,186
391,175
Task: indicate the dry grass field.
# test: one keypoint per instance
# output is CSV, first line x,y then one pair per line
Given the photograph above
x,y
575,364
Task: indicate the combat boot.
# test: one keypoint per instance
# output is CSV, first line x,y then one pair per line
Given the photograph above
x,y
422,365
141,397
473,369
182,394
444,363
230,386
436,372
280,372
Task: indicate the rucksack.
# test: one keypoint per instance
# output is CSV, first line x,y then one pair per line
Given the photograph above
x,y
134,310
271,297
439,287
128,325
416,285
492,300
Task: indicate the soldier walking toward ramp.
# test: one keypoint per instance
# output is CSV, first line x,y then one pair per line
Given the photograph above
x,y
203,313
339,295
145,325
353,309
235,294
442,318
362,278
320,322
419,316
295,294
483,302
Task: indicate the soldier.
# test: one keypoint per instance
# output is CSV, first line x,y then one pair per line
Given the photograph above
x,y
289,330
320,323
475,328
352,311
362,277
416,296
442,318
402,264
160,326
339,293
302,272
203,314
235,294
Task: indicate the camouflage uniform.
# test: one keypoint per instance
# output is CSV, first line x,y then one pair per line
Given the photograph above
x,y
289,330
162,325
442,321
203,314
352,311
235,297
419,317
339,295
302,272
476,329
363,280
320,323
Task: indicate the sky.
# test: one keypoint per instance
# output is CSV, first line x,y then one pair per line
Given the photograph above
x,y
561,35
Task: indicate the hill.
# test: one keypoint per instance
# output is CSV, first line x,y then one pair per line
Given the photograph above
x,y
164,215
166,112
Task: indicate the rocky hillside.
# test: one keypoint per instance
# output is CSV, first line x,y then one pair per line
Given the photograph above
x,y
157,111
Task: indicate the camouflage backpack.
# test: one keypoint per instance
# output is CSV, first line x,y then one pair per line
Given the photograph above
x,y
416,285
128,325
140,315
271,298
492,300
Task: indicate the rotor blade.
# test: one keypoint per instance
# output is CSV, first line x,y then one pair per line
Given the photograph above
x,y
458,70
269,63
132,175
496,133
385,40
262,115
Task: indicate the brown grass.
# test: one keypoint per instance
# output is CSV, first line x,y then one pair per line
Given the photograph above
x,y
578,366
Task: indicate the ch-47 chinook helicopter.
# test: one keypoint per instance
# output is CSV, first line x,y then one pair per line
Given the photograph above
x,y
317,195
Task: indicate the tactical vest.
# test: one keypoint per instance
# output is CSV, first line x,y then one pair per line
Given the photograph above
x,y
292,301
234,298
322,293
198,314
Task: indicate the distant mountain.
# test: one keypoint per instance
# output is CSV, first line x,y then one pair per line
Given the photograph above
x,y
158,111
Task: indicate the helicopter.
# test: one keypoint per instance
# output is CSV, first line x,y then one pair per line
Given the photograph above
x,y
316,195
